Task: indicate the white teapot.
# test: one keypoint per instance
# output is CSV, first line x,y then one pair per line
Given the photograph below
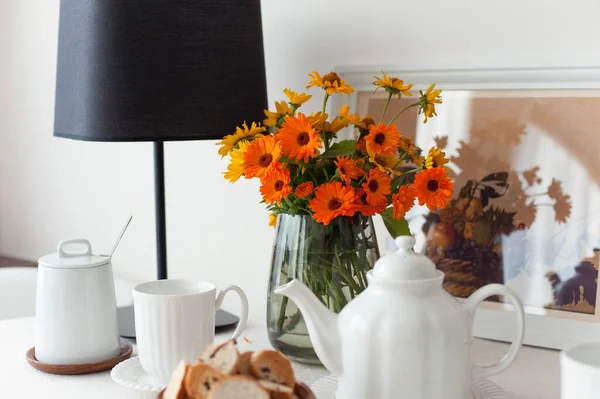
x,y
404,336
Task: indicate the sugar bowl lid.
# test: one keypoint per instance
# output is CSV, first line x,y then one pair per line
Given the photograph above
x,y
62,259
405,264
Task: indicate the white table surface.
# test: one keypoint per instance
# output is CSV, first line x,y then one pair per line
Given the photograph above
x,y
534,375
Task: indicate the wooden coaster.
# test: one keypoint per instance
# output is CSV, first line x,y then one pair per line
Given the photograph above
x,y
72,369
301,390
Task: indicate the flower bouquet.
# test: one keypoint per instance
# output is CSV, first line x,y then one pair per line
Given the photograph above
x,y
322,192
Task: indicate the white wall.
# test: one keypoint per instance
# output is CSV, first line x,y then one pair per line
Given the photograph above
x,y
52,188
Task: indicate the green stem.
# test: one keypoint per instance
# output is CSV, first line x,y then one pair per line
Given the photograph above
x,y
281,318
325,101
401,111
340,269
324,134
362,179
408,172
348,277
385,107
313,176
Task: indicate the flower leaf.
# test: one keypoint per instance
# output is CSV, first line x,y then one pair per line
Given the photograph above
x,y
394,226
285,159
342,148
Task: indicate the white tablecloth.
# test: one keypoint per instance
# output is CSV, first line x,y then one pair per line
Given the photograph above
x,y
535,374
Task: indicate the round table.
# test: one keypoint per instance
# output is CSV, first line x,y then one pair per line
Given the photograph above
x,y
534,375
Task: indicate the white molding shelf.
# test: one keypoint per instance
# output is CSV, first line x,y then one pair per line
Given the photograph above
x,y
361,78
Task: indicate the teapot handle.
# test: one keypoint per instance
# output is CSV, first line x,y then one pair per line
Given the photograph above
x,y
471,304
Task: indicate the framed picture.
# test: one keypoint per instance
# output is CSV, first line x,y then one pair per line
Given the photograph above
x,y
523,148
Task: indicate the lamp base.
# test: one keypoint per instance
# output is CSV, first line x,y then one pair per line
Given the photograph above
x,y
125,315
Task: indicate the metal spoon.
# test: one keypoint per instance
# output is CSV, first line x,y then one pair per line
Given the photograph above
x,y
112,251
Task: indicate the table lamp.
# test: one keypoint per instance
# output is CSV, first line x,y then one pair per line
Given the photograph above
x,y
159,70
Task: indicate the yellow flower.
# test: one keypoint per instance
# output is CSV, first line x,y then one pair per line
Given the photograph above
x,y
387,163
296,99
276,118
352,118
394,86
272,220
235,169
331,83
428,100
317,120
335,125
230,141
436,157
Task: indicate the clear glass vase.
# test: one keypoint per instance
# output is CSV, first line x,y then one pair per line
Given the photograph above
x,y
331,260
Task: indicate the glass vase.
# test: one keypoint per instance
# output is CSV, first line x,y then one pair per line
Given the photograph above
x,y
331,260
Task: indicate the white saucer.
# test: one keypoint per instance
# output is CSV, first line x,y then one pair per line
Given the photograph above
x,y
482,389
130,373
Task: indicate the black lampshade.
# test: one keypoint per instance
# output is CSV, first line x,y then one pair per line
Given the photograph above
x,y
158,70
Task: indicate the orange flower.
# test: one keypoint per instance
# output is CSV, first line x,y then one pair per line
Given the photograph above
x,y
382,139
299,139
362,205
361,146
275,184
332,200
260,155
403,201
347,169
377,187
304,190
433,188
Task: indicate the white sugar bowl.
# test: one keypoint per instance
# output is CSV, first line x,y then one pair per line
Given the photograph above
x,y
76,311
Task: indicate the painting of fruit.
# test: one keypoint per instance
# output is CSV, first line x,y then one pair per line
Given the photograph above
x,y
524,211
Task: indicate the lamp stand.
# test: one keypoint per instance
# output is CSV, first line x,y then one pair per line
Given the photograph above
x,y
159,203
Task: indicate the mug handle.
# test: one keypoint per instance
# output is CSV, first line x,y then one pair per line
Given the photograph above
x,y
244,317
471,304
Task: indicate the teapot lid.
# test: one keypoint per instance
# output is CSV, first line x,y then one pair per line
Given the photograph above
x,y
62,259
405,264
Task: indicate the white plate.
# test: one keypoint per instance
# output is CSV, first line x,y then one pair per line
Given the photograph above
x,y
130,373
482,389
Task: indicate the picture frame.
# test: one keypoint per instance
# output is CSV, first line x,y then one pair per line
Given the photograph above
x,y
571,97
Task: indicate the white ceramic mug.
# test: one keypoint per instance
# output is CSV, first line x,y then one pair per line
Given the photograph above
x,y
580,372
175,320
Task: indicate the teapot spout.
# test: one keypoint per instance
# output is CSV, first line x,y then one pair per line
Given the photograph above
x,y
321,323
